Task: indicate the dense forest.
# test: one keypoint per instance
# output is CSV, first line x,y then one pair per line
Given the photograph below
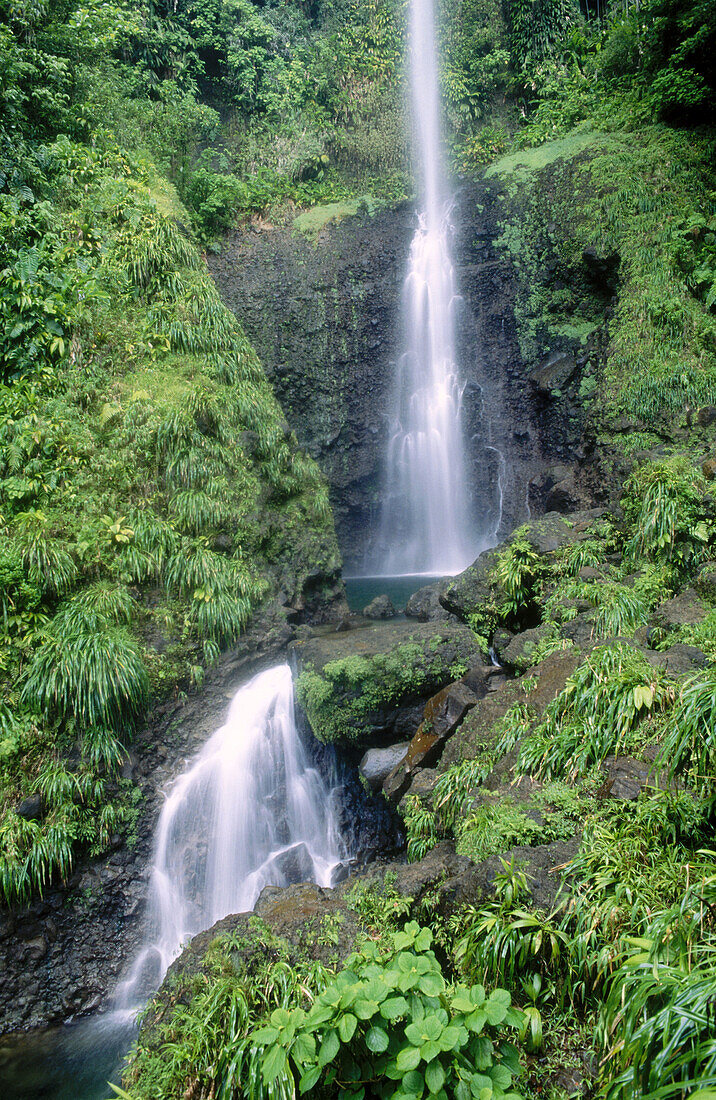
x,y
154,500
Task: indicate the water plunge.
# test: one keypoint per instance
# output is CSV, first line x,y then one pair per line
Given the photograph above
x,y
427,525
250,811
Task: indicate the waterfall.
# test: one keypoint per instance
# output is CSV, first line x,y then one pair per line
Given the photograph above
x,y
248,812
426,523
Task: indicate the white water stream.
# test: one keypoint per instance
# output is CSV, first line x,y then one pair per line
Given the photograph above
x,y
250,811
426,523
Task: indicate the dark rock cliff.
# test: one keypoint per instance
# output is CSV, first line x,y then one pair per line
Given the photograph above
x,y
324,314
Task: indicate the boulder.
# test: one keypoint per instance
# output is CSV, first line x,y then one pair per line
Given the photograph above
x,y
625,778
679,660
553,373
705,583
380,608
474,589
441,717
369,685
424,605
519,652
31,807
706,415
377,764
686,609
480,729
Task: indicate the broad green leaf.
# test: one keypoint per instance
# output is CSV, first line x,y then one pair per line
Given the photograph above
x,y
346,1027
329,1048
462,1002
265,1035
377,1040
365,1009
496,1006
429,1050
310,1079
501,1077
393,1007
431,985
451,1038
408,1058
274,1063
304,1048
435,1076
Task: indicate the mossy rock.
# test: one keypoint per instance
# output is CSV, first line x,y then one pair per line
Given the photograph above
x,y
368,685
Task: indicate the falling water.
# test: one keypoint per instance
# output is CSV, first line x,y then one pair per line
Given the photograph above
x,y
426,524
249,812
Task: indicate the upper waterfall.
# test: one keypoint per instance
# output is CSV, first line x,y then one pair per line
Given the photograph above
x,y
426,524
250,811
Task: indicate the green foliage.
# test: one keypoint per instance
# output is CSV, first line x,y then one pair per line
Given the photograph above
x,y
659,1004
538,30
502,941
599,712
261,1022
95,675
380,906
665,507
389,1017
516,575
690,742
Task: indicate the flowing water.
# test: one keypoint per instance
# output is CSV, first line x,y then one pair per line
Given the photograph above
x,y
249,811
427,525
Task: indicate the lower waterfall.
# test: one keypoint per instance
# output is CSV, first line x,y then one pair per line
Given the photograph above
x,y
250,811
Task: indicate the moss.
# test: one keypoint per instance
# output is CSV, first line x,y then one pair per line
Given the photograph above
x,y
316,218
521,166
347,699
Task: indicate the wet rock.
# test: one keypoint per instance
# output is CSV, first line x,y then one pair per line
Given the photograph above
x,y
377,764
553,373
442,716
367,686
705,583
379,608
475,588
679,659
478,732
501,639
579,630
294,864
625,778
602,267
686,609
424,605
519,652
31,807
708,468
706,415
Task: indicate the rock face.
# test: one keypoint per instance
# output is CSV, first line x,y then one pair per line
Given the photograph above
x,y
368,686
324,315
474,588
424,605
441,717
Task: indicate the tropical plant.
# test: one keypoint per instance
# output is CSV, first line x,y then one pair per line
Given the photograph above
x,y
96,676
389,1021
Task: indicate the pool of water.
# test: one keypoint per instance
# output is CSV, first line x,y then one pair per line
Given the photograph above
x,y
361,590
65,1063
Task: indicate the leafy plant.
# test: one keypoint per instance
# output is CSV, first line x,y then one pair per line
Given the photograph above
x,y
96,676
390,1022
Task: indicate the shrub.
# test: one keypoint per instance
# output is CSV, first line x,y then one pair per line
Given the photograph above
x,y
389,1025
96,676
